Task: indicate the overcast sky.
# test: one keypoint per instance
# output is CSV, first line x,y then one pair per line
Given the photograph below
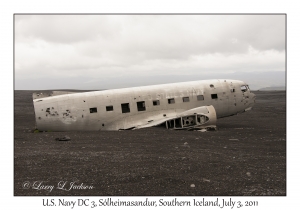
x,y
114,51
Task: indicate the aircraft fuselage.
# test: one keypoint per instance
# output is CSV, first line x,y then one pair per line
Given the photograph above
x,y
129,107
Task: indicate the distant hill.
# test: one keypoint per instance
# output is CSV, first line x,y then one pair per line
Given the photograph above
x,y
272,88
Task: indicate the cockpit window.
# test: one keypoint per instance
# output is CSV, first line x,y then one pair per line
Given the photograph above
x,y
244,88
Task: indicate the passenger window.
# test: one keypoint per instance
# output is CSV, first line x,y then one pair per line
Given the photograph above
x,y
200,97
141,106
185,99
109,108
171,101
93,110
156,103
214,96
125,108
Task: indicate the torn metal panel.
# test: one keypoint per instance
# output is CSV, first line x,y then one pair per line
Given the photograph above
x,y
44,94
49,93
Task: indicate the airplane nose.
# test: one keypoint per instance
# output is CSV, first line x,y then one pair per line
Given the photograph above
x,y
253,97
251,103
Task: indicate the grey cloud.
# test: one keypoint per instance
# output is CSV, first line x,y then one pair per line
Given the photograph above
x,y
262,32
99,47
65,28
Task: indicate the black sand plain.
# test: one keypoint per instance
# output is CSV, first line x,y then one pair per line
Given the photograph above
x,y
246,156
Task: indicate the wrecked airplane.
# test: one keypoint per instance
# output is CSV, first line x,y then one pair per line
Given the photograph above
x,y
185,105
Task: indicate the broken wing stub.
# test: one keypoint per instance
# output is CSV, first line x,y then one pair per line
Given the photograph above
x,y
198,118
203,117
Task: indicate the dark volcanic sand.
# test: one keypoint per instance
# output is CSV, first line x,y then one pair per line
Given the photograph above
x,y
156,161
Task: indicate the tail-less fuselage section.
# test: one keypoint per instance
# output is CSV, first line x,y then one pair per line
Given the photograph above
x,y
186,105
